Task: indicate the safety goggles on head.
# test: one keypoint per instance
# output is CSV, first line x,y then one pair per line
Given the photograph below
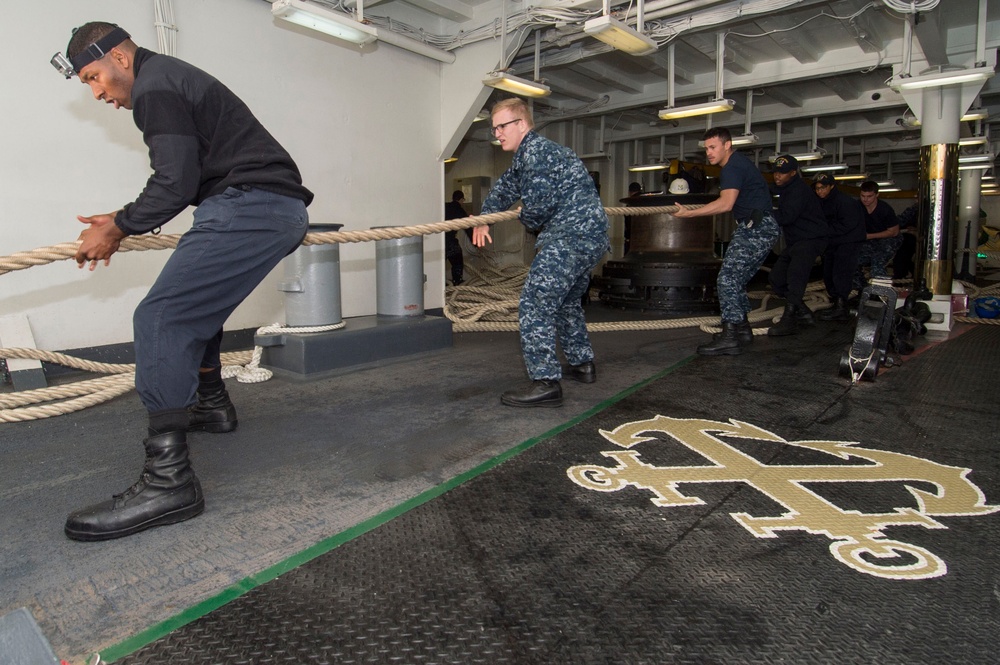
x,y
70,67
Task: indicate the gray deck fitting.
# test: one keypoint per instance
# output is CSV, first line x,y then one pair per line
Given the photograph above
x,y
365,341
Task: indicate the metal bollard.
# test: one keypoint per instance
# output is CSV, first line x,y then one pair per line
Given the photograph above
x,y
399,276
312,283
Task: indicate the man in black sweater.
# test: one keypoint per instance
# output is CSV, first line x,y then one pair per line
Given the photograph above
x,y
207,150
805,229
846,219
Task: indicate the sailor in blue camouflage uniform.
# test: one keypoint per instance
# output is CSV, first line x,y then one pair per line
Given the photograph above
x,y
744,191
561,205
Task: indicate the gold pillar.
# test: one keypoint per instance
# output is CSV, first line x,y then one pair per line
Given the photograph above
x,y
938,212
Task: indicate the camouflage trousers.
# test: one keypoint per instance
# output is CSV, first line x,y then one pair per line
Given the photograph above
x,y
744,257
551,308
876,254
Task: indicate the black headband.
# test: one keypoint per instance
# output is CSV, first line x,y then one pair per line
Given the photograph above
x,y
98,49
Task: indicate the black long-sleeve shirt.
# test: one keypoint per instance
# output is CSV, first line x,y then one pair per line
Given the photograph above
x,y
799,213
202,139
846,217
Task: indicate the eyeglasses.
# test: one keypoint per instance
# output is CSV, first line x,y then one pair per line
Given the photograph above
x,y
496,129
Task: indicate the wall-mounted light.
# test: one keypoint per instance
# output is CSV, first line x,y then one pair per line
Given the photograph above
x,y
613,32
937,79
516,85
323,20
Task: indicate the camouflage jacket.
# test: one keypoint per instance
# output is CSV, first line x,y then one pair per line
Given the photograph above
x,y
560,201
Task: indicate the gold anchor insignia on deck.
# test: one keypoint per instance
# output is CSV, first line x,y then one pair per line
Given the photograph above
x,y
858,538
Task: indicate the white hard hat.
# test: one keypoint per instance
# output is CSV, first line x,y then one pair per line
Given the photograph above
x,y
679,186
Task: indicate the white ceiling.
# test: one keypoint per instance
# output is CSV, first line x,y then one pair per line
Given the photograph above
x,y
810,67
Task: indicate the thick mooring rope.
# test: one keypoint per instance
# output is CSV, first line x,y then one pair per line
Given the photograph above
x,y
487,307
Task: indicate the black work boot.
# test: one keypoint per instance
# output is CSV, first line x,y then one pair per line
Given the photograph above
x,y
214,411
744,332
584,372
787,325
544,392
166,492
838,312
804,315
725,343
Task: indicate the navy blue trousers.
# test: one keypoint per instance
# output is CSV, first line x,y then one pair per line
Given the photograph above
x,y
237,238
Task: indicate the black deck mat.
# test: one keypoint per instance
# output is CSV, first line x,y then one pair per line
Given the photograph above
x,y
524,564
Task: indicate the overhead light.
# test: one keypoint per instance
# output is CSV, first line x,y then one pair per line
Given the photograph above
x,y
816,168
972,159
451,160
802,156
937,79
973,140
851,176
516,85
742,139
987,178
715,106
658,166
885,183
332,23
613,32
889,189
495,141
745,139
482,115
975,167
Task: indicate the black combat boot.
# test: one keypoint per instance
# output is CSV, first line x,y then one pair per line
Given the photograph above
x,y
214,411
166,492
838,312
804,315
545,392
787,325
725,343
584,372
744,332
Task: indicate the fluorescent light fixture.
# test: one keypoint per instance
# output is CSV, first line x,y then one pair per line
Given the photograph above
x,y
613,32
801,156
516,85
936,79
989,178
889,189
816,168
973,159
975,167
495,141
851,176
332,23
715,106
659,166
742,139
885,183
451,160
973,140
482,115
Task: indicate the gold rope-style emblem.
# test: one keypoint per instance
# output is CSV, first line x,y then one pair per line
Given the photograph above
x,y
858,538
